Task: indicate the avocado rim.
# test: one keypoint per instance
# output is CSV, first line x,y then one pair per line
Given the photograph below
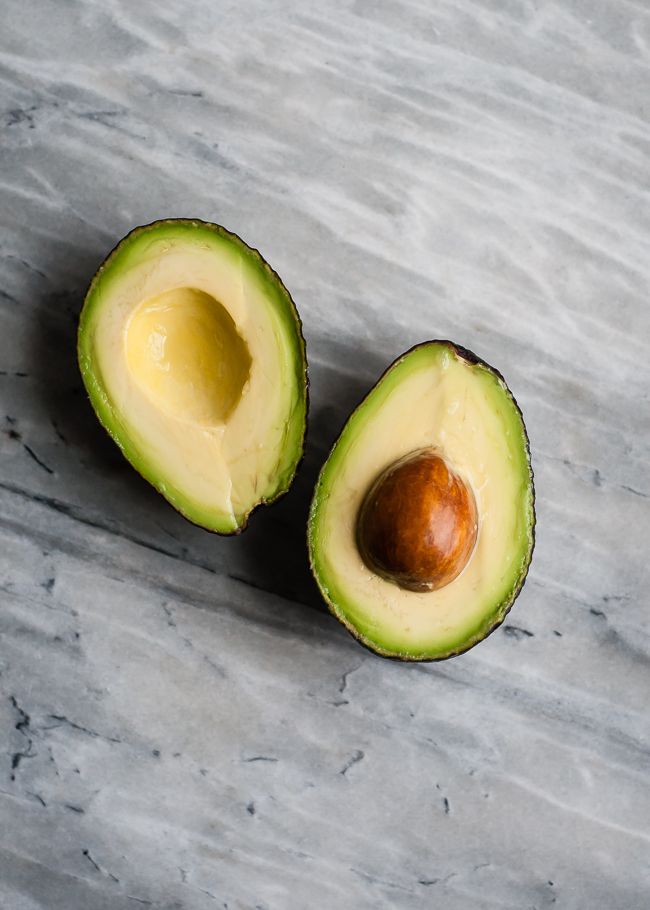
x,y
499,614
94,391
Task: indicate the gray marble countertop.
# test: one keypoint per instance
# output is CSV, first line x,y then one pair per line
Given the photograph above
x,y
183,725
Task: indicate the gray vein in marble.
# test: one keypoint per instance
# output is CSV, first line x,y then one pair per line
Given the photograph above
x,y
184,725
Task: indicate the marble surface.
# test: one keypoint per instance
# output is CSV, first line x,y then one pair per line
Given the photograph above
x,y
182,724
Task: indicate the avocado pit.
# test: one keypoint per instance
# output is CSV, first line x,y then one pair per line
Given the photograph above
x,y
417,525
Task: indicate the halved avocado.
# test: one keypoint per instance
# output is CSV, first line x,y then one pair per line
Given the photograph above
x,y
421,527
192,353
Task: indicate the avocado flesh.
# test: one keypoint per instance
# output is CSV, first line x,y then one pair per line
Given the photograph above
x,y
191,351
436,396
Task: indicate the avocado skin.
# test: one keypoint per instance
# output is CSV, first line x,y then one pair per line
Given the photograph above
x,y
473,359
302,352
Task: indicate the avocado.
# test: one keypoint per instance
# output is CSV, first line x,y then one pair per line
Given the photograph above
x,y
421,527
192,354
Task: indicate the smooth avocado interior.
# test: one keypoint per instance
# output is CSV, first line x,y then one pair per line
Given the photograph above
x,y
422,523
191,351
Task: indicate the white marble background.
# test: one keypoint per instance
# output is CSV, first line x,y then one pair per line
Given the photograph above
x,y
183,727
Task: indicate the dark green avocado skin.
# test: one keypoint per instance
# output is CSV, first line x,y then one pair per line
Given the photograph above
x,y
134,232
473,359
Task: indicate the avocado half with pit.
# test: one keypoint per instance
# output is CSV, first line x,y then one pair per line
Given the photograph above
x,y
421,527
192,353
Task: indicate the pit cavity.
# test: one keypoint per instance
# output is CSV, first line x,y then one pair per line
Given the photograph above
x,y
184,351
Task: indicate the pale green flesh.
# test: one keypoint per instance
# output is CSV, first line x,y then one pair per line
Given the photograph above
x,y
142,250
389,620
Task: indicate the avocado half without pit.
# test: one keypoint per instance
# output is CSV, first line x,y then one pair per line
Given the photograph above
x,y
421,527
192,354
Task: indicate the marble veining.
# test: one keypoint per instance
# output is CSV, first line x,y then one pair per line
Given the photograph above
x,y
183,725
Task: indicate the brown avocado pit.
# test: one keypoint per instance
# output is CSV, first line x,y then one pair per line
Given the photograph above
x,y
417,525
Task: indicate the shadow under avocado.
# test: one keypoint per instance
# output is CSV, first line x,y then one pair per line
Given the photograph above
x,y
274,553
